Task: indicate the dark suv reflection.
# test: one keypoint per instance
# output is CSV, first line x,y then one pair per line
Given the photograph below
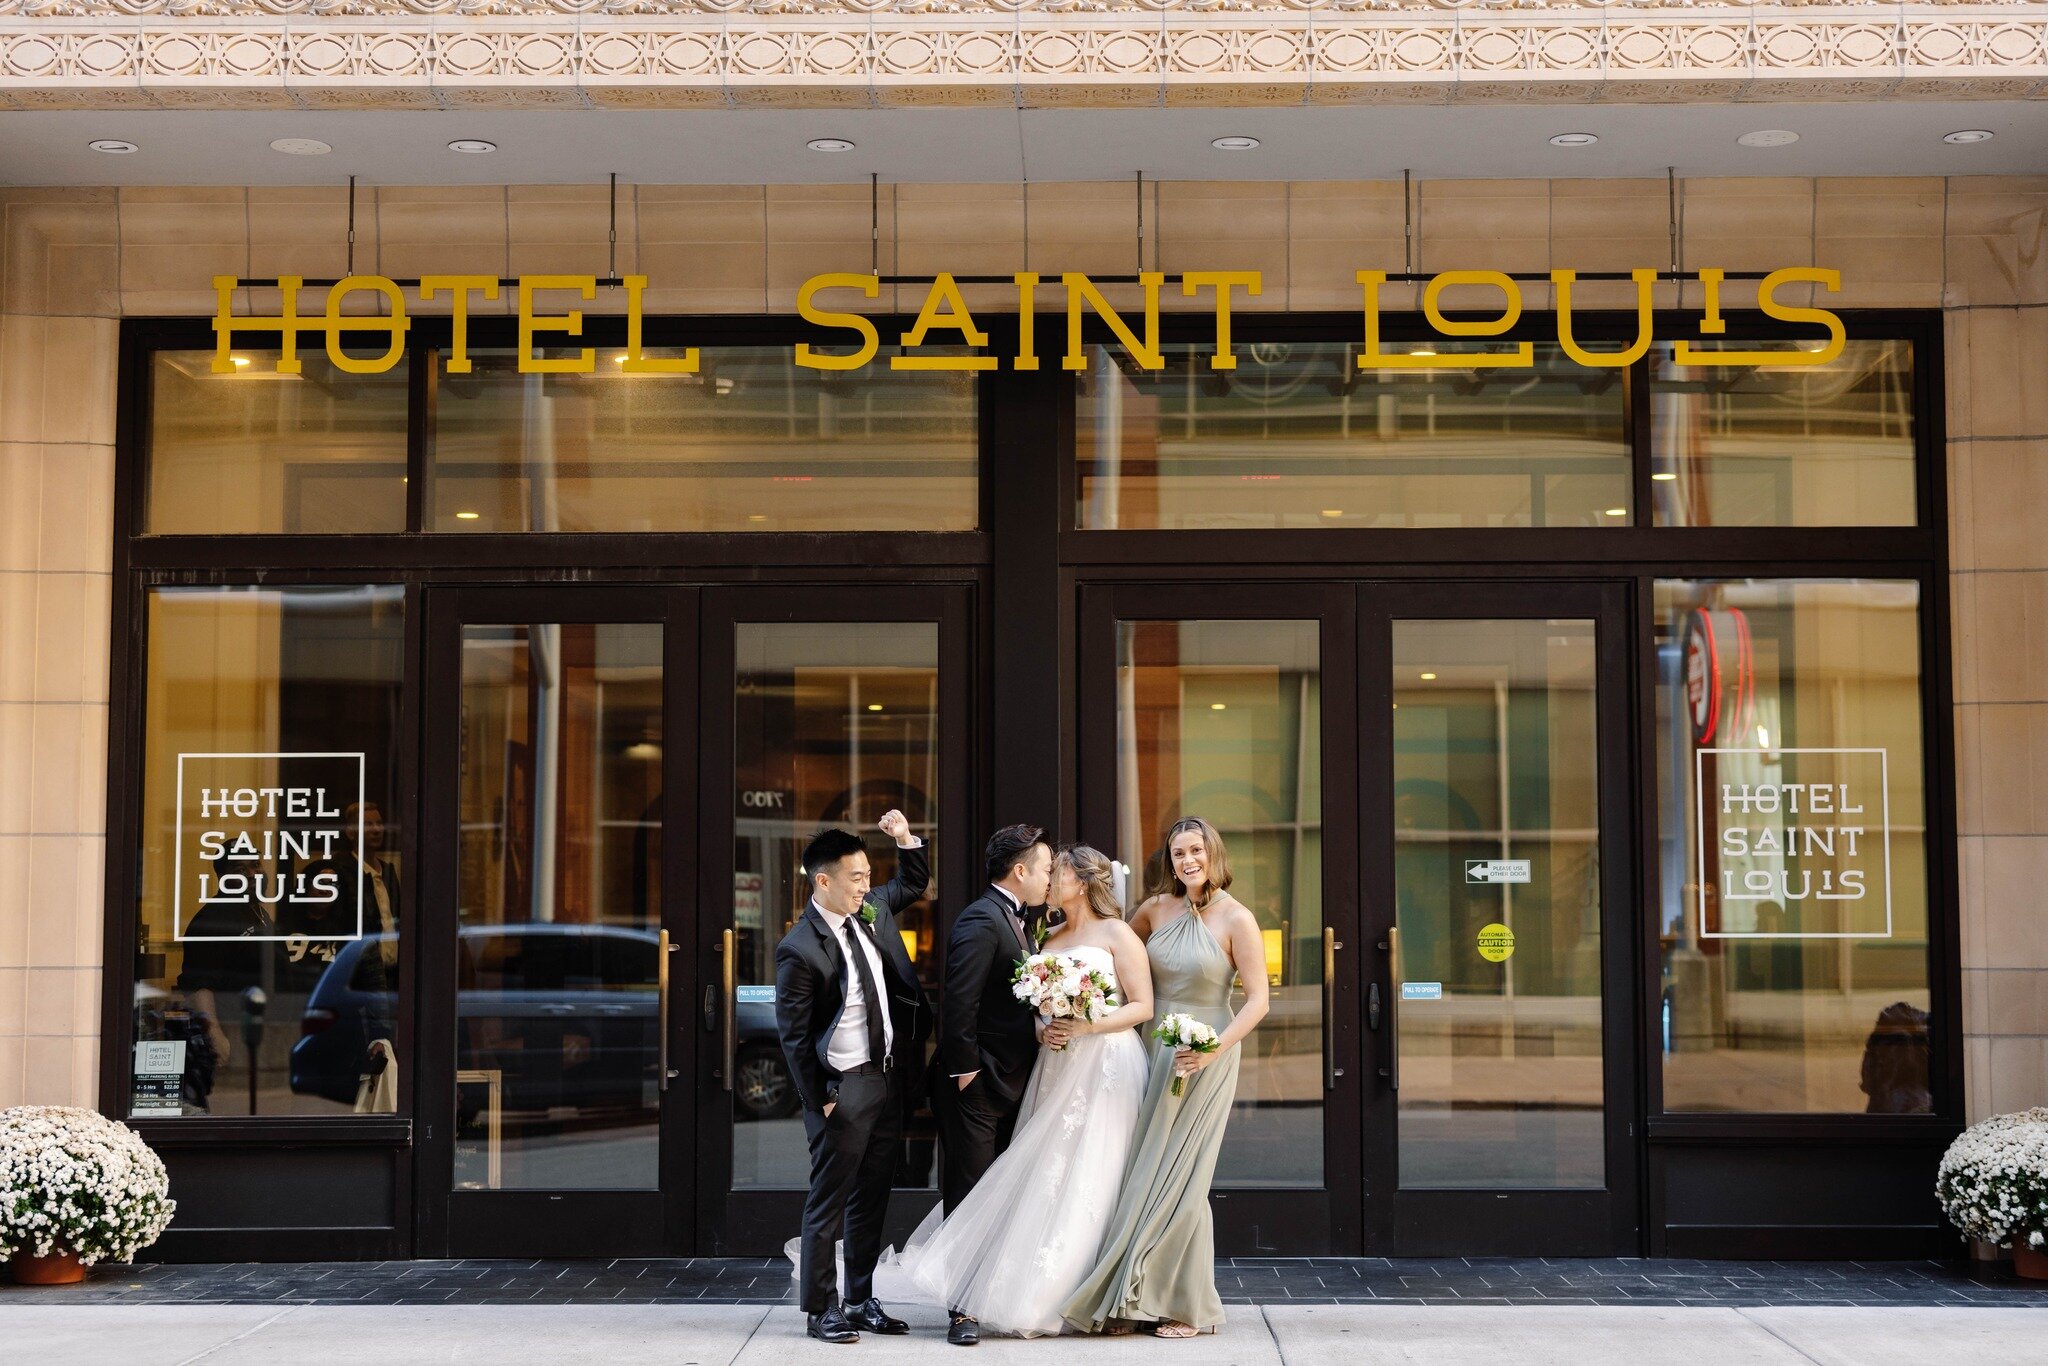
x,y
565,1014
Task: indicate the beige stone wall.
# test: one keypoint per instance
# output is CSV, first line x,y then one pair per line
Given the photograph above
x,y
74,261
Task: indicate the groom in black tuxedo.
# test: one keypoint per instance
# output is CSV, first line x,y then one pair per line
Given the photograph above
x,y
853,1021
988,1038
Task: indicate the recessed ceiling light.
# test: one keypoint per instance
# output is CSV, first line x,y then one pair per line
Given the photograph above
x,y
1575,140
1664,476
467,516
1769,137
829,145
239,361
113,145
1617,512
1428,678
1216,706
1333,512
874,706
1969,135
472,146
1235,143
301,147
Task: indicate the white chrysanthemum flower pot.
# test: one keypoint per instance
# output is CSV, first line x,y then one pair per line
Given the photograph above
x,y
76,1188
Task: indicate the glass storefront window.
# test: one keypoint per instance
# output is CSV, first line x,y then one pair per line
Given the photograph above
x,y
559,908
1223,720
1497,902
750,442
319,452
1785,445
1298,436
834,723
1793,917
271,898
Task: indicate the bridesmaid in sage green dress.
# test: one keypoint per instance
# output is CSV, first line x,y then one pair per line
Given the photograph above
x,y
1158,1258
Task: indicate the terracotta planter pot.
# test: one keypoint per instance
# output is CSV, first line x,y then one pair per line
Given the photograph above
x,y
2030,1264
61,1269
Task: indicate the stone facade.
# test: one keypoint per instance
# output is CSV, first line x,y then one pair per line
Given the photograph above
x,y
75,261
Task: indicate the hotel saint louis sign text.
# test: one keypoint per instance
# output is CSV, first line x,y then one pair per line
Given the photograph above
x,y
856,342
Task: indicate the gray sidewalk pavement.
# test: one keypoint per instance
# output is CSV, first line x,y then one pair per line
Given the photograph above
x,y
56,1334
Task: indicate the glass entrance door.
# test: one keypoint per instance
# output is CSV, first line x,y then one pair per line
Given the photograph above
x,y
548,1036
1238,705
1498,1118
819,708
1419,789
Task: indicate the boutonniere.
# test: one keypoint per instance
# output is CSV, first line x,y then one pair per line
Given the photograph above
x,y
1041,934
868,911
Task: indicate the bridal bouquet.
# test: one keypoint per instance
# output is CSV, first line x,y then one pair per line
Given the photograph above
x,y
1185,1031
1061,987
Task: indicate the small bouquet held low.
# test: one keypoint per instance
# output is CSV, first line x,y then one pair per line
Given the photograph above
x,y
77,1187
1062,987
1993,1185
1179,1031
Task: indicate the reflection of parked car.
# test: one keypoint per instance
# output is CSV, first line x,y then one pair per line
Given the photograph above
x,y
565,1013
761,1088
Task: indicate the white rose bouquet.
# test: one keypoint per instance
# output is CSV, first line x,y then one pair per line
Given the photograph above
x,y
1179,1031
74,1181
1062,987
1993,1180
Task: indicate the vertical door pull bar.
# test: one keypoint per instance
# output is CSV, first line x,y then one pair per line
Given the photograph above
x,y
1392,1071
668,1074
729,951
1330,1069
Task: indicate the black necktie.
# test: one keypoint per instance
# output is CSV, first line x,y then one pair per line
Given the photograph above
x,y
877,1044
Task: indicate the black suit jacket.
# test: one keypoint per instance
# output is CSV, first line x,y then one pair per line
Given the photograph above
x,y
810,985
984,1028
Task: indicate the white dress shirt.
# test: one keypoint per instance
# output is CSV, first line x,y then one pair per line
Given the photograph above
x,y
849,1046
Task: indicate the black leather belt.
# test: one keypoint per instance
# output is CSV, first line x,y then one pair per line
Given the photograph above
x,y
871,1069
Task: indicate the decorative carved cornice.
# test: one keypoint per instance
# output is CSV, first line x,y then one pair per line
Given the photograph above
x,y
1172,51
398,9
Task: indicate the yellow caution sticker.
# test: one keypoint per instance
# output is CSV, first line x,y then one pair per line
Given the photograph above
x,y
1496,943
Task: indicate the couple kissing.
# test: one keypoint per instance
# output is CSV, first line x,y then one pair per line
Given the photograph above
x,y
1081,1087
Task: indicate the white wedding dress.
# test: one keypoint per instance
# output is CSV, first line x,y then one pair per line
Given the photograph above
x,y
1019,1245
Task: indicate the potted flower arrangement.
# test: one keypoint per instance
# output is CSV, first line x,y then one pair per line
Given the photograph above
x,y
1993,1185
75,1188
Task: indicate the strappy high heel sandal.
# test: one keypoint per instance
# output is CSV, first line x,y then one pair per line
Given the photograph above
x,y
1173,1328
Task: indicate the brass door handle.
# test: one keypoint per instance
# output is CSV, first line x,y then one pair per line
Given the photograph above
x,y
1392,1071
1330,1069
729,950
668,1074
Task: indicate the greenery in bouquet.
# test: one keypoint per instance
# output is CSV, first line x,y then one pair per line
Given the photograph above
x,y
72,1180
1993,1182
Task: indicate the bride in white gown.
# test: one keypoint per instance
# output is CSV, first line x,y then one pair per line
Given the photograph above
x,y
1017,1247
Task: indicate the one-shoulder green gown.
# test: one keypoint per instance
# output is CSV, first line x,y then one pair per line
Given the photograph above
x,y
1158,1258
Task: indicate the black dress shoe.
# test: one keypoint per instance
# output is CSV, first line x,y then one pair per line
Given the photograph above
x,y
963,1331
831,1326
870,1317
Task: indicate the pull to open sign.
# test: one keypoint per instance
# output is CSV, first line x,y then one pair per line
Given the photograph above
x,y
1492,870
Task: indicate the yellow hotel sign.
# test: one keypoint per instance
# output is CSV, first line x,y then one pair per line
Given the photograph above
x,y
945,311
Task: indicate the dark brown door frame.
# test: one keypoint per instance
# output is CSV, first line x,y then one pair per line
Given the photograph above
x,y
1607,1222
758,1222
1252,1221
542,1223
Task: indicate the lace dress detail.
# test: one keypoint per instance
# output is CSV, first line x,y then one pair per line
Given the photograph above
x,y
1018,1246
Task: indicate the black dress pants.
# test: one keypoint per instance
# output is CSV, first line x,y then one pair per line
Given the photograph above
x,y
975,1127
853,1163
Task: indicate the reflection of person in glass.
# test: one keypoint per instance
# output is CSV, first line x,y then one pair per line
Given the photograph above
x,y
225,945
379,881
1895,1063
